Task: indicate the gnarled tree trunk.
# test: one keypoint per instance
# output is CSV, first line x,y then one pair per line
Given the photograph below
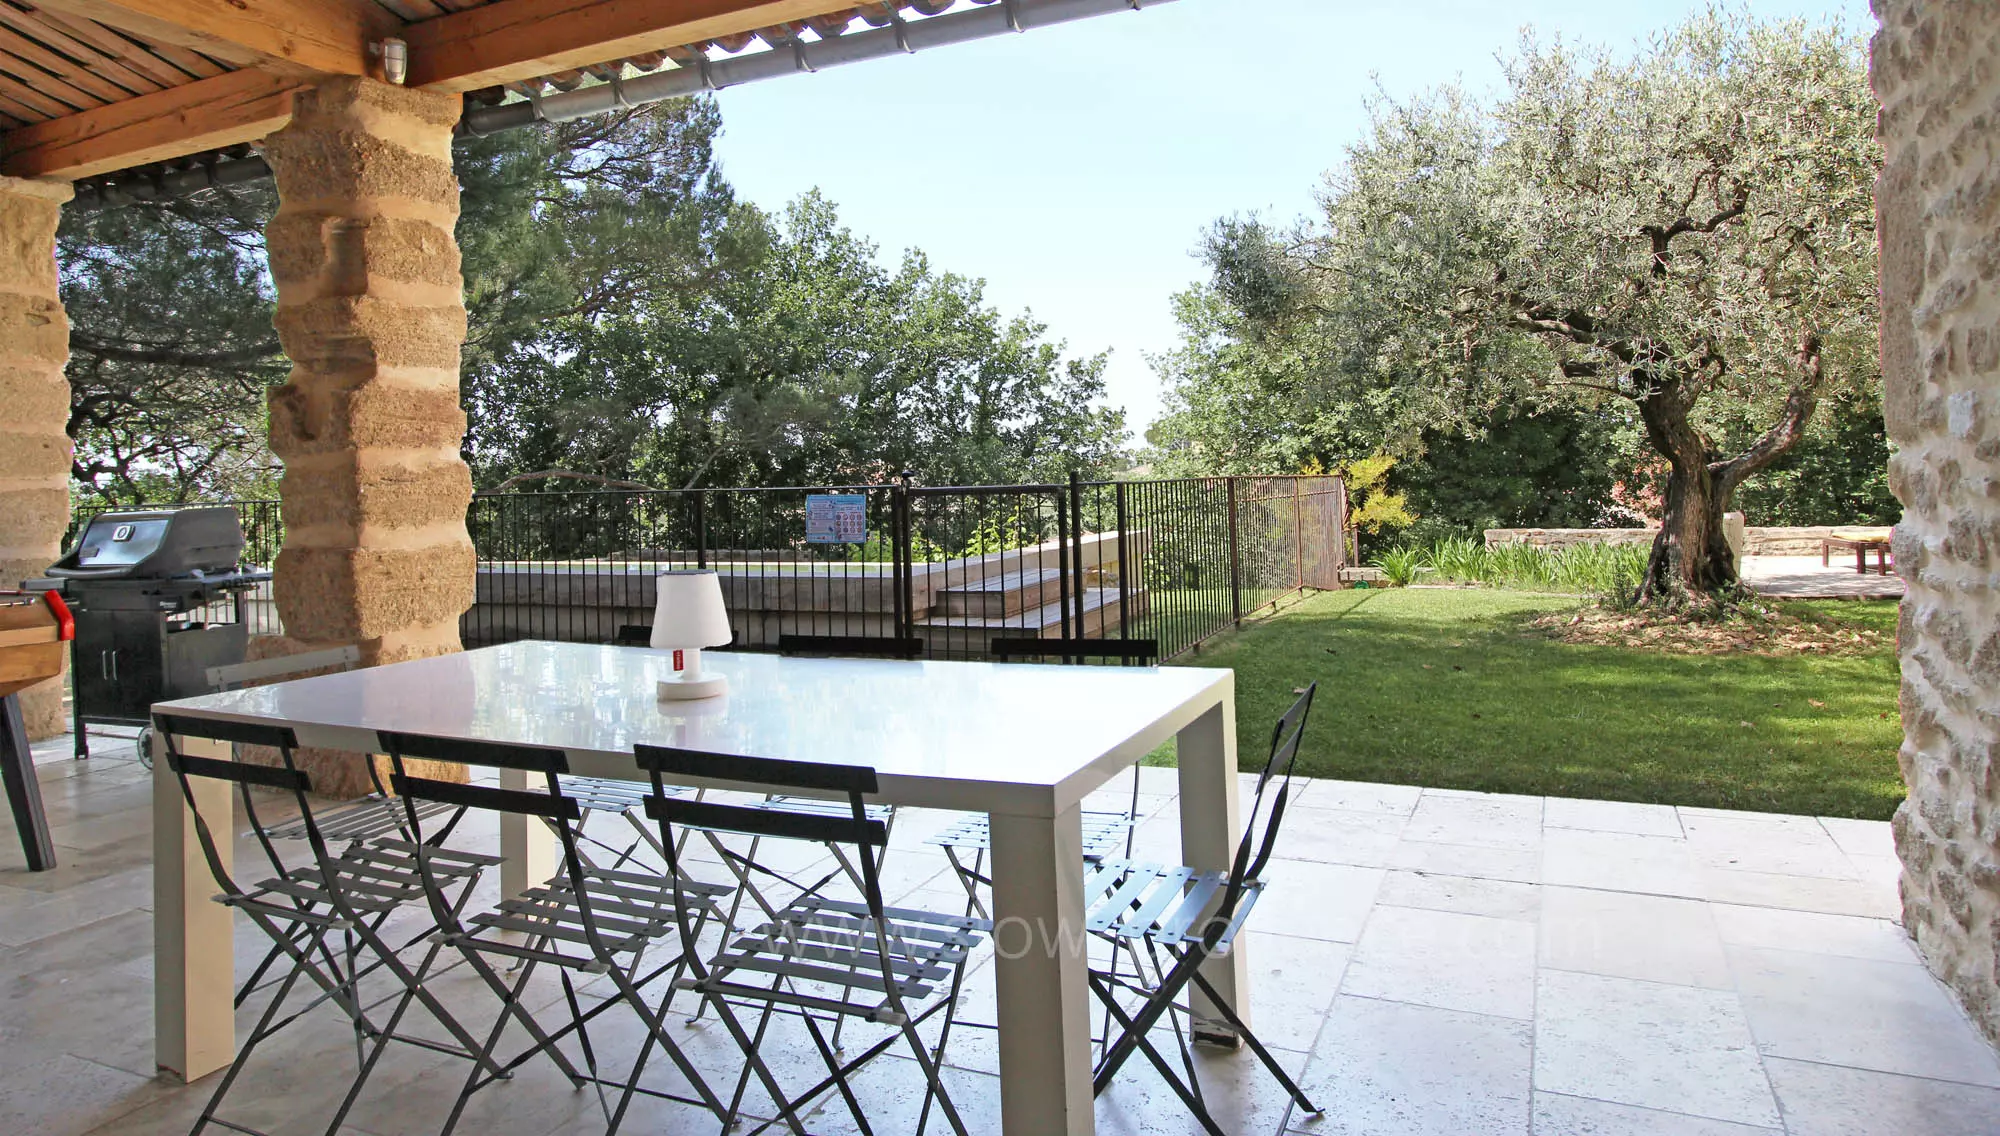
x,y
1691,556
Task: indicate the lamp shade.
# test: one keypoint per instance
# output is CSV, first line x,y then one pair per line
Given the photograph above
x,y
689,612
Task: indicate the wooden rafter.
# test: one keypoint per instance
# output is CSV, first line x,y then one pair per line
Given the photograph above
x,y
301,36
510,40
234,107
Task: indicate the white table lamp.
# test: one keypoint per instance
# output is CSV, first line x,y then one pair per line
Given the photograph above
x,y
689,616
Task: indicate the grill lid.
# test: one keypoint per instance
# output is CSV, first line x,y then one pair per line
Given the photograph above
x,y
154,544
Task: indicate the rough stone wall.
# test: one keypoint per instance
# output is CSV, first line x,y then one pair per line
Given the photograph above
x,y
1936,71
372,313
34,406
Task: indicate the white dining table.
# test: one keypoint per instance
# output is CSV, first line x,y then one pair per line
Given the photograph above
x,y
1024,743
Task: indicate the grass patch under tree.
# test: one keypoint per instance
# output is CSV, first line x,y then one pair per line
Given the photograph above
x,y
1457,688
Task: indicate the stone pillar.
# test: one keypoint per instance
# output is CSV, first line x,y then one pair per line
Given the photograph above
x,y
34,406
1936,70
371,311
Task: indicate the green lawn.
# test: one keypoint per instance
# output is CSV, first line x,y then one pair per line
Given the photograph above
x,y
1445,688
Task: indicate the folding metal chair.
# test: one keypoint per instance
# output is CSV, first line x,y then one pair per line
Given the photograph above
x,y
1103,831
1183,917
588,919
818,958
350,893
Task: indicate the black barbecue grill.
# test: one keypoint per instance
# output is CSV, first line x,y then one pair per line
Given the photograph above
x,y
158,597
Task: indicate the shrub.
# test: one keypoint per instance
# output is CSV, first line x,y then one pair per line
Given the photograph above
x,y
1601,570
1399,565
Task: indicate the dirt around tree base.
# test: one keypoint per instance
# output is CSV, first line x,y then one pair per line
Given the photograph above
x,y
1751,628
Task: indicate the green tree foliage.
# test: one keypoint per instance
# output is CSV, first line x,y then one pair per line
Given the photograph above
x,y
171,347
1686,234
629,318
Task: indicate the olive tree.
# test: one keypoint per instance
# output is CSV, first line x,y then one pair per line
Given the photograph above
x,y
1687,231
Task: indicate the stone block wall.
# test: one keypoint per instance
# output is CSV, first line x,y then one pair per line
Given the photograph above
x,y
34,407
1936,70
371,311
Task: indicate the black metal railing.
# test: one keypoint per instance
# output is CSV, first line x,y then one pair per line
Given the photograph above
x,y
954,567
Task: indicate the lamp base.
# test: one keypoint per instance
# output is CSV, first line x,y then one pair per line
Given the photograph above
x,y
687,689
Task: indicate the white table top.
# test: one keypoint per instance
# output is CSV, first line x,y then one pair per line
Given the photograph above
x,y
1017,738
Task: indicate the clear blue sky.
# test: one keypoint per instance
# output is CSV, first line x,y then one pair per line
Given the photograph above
x,y
1074,168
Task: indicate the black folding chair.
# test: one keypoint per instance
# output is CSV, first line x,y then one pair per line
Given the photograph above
x,y
1103,831
351,893
588,919
818,958
1183,917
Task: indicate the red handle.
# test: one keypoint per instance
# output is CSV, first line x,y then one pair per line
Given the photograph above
x,y
65,622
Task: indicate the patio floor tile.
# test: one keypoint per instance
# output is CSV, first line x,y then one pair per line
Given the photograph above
x,y
1362,796
1558,1115
1469,895
1886,1016
1861,837
1613,816
1621,861
1868,898
1485,863
1483,820
1650,1044
1829,1100
1447,960
1341,836
1427,962
1388,1067
1847,935
1657,938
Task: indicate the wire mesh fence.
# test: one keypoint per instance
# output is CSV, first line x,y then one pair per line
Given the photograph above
x,y
944,569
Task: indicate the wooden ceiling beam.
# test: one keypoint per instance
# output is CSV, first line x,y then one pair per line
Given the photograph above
x,y
510,40
302,37
228,109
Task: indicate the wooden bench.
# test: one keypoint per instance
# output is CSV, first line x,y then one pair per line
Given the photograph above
x,y
1860,547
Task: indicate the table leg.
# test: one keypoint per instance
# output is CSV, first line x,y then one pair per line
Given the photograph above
x,y
1861,559
1040,963
1825,553
1210,830
24,792
527,847
194,971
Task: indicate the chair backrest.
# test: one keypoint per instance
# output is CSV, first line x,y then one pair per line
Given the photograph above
x,y
778,777
551,804
633,635
1253,851
286,777
550,763
851,646
1131,652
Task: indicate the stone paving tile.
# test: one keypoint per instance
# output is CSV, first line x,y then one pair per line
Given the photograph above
x,y
1885,1016
1438,952
1612,816
1469,895
1558,1115
1652,937
1447,960
1649,1044
1390,1067
1620,861
1848,935
1478,862
1829,1100
1482,820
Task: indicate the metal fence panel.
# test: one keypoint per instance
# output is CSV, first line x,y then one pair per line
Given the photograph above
x,y
1175,561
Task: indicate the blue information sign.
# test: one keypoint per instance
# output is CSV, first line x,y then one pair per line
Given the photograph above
x,y
836,518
